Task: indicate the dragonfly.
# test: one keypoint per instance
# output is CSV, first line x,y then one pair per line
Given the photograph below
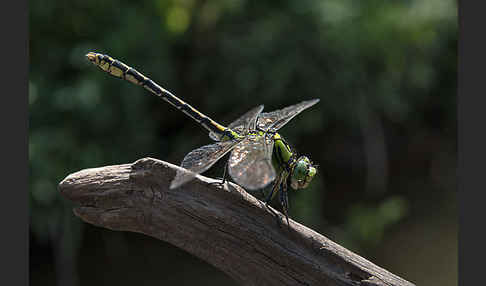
x,y
259,154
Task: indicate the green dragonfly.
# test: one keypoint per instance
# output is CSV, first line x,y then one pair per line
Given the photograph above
x,y
259,155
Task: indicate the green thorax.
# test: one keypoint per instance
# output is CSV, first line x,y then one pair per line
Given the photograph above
x,y
282,156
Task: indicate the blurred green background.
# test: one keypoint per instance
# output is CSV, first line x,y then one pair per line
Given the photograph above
x,y
383,134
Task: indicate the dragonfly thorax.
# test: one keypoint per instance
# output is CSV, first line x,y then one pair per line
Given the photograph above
x,y
282,157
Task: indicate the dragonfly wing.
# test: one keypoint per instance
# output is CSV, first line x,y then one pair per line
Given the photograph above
x,y
250,163
201,159
277,119
241,125
247,121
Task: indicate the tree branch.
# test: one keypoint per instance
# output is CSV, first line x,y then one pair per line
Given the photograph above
x,y
224,226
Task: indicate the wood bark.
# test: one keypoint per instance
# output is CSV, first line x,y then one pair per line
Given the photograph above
x,y
221,224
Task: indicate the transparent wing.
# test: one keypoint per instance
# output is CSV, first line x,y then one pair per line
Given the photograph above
x,y
250,163
247,121
277,119
201,159
241,125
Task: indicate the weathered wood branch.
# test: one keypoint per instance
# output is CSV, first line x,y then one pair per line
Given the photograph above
x,y
224,226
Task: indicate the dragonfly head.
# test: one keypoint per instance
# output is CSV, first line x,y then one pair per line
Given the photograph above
x,y
302,173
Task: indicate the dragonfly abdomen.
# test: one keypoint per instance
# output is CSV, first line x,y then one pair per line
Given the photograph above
x,y
120,70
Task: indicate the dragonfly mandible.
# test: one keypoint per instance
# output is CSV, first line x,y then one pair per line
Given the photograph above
x,y
259,155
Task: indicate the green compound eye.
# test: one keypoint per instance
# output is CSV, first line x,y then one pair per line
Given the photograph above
x,y
302,174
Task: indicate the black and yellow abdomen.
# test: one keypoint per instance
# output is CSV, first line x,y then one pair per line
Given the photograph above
x,y
123,71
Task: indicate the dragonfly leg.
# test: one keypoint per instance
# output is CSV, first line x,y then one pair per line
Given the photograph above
x,y
269,198
284,201
224,173
223,179
270,195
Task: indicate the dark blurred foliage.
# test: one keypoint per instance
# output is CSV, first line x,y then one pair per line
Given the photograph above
x,y
383,134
